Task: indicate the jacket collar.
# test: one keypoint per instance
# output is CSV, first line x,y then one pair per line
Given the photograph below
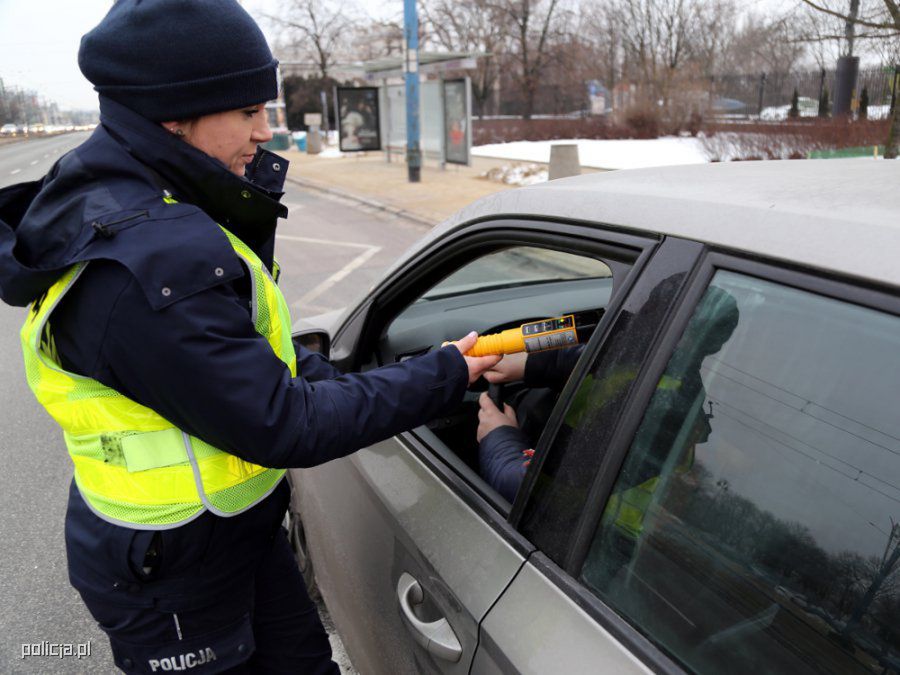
x,y
194,177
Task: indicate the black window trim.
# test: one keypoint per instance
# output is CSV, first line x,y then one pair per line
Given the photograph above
x,y
598,339
628,424
679,254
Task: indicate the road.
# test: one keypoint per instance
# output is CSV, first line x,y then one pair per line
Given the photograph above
x,y
331,250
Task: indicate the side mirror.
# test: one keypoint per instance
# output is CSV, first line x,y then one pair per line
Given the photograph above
x,y
315,340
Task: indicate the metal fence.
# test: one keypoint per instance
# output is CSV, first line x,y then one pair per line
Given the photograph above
x,y
745,95
755,94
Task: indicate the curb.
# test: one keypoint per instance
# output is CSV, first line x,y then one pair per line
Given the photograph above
x,y
366,201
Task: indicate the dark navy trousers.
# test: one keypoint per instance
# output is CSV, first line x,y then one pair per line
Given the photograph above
x,y
272,627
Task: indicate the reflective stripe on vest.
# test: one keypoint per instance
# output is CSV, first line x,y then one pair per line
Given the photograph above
x,y
132,466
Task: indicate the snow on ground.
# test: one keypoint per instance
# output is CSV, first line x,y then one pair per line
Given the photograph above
x,y
782,112
331,152
605,154
878,112
517,174
810,108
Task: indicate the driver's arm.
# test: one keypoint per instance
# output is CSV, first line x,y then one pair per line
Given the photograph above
x,y
504,450
503,457
551,368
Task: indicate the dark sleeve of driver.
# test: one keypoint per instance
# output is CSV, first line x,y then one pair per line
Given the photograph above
x,y
501,460
551,368
200,364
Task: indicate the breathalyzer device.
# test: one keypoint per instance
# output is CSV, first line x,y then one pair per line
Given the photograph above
x,y
536,336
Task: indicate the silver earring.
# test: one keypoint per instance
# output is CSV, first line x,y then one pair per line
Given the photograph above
x,y
177,132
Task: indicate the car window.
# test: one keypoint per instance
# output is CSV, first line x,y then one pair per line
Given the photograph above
x,y
501,289
755,523
517,266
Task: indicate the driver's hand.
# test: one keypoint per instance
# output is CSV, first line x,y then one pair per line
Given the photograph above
x,y
510,369
490,417
477,364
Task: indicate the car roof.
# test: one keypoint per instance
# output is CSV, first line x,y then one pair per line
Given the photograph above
x,y
841,216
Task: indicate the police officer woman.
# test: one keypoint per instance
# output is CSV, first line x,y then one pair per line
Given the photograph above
x,y
159,341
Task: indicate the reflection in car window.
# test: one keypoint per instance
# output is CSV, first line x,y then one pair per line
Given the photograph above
x,y
518,266
755,525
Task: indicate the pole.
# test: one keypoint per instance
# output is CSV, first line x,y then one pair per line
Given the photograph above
x,y
281,108
850,27
443,123
386,124
762,93
411,39
324,99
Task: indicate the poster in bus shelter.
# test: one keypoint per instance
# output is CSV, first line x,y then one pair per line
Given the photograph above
x,y
456,122
359,127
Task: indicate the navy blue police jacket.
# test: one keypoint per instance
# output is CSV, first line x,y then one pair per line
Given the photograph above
x,y
162,315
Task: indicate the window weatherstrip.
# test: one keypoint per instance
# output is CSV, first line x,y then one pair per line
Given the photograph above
x,y
632,410
593,347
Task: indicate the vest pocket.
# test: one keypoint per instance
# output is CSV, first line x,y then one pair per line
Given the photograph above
x,y
153,450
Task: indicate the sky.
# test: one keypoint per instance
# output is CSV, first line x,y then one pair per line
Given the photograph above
x,y
39,45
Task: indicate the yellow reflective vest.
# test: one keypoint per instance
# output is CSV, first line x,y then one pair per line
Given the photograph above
x,y
132,466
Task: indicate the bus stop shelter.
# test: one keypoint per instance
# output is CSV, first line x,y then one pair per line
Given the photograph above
x,y
445,105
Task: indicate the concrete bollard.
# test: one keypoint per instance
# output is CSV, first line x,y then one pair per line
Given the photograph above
x,y
564,161
313,141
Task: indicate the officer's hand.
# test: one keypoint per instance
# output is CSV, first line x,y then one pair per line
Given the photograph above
x,y
510,369
490,417
477,364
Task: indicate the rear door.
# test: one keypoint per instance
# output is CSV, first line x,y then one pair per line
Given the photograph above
x,y
740,512
411,547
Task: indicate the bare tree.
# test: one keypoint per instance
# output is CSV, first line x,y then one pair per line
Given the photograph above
x,y
375,39
716,29
821,34
534,25
881,18
599,28
763,44
470,26
315,30
658,40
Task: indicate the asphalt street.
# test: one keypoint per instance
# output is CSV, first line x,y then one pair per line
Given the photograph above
x,y
331,251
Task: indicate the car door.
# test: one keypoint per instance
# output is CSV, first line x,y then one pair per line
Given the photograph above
x,y
411,547
734,507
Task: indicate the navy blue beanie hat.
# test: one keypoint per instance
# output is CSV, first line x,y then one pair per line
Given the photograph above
x,y
178,59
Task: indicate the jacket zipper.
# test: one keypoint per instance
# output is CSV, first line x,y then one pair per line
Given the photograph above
x,y
103,229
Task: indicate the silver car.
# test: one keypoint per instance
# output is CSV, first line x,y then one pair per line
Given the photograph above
x,y
715,485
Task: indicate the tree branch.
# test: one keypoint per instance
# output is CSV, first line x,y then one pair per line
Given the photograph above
x,y
894,10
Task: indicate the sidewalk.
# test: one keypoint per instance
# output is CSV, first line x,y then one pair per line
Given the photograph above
x,y
368,178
